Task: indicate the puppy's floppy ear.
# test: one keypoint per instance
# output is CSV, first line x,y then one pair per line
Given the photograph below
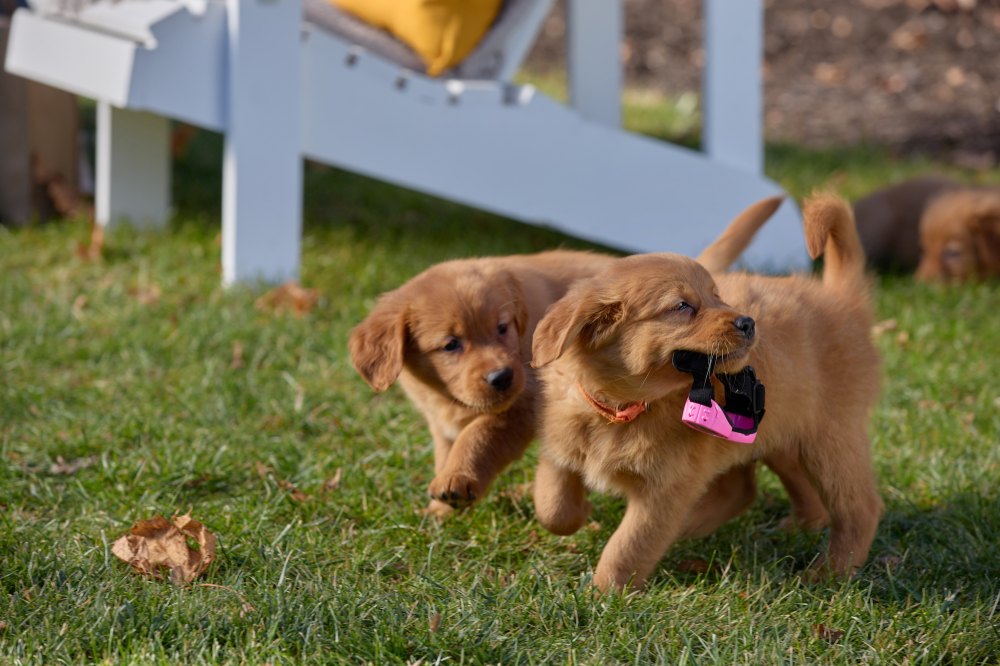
x,y
579,314
516,290
377,344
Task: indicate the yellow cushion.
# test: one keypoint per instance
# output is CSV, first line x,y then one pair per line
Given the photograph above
x,y
441,32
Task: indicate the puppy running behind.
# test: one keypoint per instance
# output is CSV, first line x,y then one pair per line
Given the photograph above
x,y
610,343
458,338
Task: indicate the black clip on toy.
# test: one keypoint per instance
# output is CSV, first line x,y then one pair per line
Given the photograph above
x,y
739,419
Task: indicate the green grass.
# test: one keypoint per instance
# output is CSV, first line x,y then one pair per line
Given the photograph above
x,y
356,574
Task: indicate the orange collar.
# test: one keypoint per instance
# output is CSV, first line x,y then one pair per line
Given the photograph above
x,y
624,414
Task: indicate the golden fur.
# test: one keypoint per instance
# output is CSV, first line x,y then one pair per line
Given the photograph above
x,y
615,334
477,429
960,236
488,307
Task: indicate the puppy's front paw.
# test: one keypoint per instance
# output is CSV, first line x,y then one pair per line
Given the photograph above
x,y
457,490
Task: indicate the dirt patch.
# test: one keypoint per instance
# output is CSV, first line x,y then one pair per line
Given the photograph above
x,y
918,76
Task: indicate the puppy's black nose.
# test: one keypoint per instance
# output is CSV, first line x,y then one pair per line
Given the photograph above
x,y
745,324
501,379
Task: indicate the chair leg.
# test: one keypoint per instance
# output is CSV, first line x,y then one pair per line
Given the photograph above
x,y
133,167
262,163
732,96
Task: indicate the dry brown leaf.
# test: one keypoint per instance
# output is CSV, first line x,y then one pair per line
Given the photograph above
x,y
827,633
160,546
79,304
435,622
890,562
293,491
288,297
237,360
694,566
147,294
62,466
93,250
884,326
3,625
333,482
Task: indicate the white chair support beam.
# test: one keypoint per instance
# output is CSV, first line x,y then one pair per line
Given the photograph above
x,y
732,131
593,59
132,167
262,163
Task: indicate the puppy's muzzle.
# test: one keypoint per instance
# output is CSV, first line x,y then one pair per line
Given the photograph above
x,y
500,380
746,326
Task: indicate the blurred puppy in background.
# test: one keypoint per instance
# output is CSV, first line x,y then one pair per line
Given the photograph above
x,y
960,236
889,221
943,230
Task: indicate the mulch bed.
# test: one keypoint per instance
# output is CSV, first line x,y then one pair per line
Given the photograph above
x,y
916,76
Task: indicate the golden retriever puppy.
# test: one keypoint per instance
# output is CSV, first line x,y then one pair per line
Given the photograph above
x,y
614,400
960,236
458,338
888,221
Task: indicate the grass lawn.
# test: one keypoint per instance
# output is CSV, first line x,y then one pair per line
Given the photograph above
x,y
173,393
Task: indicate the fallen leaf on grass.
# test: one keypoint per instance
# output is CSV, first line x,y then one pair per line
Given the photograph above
x,y
146,295
3,625
61,466
435,622
93,250
827,633
237,360
154,546
694,566
293,492
333,482
890,562
288,297
883,327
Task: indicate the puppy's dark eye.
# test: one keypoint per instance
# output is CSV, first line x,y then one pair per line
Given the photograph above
x,y
502,329
684,306
453,344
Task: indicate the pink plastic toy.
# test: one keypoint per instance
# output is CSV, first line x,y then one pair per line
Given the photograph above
x,y
739,419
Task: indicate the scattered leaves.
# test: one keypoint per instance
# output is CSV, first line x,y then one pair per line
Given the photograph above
x,y
289,297
890,562
883,327
827,633
434,622
155,546
62,466
94,249
333,482
146,294
694,566
237,359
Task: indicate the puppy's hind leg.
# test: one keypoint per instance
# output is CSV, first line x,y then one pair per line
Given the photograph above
x,y
841,468
561,504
